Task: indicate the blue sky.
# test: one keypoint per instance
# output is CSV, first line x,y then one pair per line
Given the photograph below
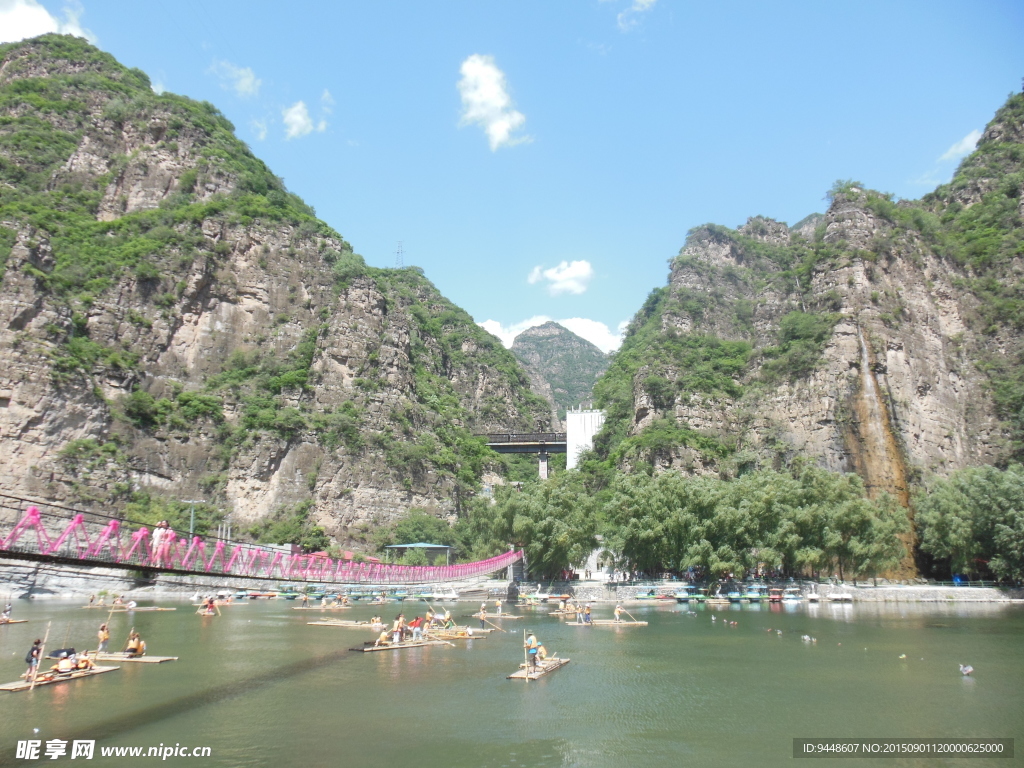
x,y
545,159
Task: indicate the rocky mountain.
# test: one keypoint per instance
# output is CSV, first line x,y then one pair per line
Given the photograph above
x,y
176,325
563,367
881,338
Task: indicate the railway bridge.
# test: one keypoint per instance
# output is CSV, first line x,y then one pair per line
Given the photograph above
x,y
541,443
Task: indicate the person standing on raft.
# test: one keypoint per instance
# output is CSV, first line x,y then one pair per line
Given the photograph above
x,y
32,658
104,637
532,646
618,613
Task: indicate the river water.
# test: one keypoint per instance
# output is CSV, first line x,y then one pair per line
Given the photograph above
x,y
260,687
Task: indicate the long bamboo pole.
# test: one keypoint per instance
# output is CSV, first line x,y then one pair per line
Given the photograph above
x,y
526,658
42,654
493,625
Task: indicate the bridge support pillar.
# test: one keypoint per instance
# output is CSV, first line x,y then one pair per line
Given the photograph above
x,y
543,465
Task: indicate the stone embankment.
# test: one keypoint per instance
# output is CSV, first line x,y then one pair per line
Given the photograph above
x,y
48,581
917,593
23,579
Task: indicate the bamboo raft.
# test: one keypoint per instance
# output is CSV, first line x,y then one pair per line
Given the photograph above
x,y
321,607
49,678
369,647
610,623
14,621
350,624
477,634
217,602
144,659
126,609
562,613
460,628
543,668
494,616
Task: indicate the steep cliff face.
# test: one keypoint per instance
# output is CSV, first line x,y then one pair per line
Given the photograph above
x,y
880,338
172,320
562,366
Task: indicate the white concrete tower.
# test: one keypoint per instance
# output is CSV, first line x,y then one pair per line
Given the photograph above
x,y
581,426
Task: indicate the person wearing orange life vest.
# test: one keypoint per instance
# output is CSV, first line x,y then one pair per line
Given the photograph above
x,y
532,648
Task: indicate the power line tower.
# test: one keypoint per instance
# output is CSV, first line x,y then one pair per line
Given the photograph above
x,y
399,257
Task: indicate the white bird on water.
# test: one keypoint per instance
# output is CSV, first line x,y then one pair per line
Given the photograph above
x,y
966,669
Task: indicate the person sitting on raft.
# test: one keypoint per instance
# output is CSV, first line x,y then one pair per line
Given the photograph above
x,y
384,639
136,645
65,665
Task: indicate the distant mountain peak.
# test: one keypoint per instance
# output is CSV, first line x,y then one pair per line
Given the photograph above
x,y
563,366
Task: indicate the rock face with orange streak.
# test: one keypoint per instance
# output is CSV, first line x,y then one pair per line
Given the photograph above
x,y
879,338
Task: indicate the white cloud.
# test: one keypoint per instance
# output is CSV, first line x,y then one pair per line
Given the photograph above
x,y
508,334
326,102
594,331
485,101
259,127
597,333
21,19
963,147
297,120
567,277
158,87
241,80
629,18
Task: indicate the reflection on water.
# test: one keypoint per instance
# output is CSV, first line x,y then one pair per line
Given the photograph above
x,y
262,688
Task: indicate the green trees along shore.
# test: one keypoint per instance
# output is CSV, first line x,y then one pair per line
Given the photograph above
x,y
807,521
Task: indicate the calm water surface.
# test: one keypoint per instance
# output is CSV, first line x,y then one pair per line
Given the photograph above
x,y
262,688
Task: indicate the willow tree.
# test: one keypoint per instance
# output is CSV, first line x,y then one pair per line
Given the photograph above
x,y
554,521
975,517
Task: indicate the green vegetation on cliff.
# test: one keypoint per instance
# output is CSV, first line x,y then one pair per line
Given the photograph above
x,y
130,211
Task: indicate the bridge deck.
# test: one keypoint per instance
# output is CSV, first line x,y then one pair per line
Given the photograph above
x,y
57,534
527,442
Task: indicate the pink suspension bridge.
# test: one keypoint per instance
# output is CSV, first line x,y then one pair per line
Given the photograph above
x,y
64,535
